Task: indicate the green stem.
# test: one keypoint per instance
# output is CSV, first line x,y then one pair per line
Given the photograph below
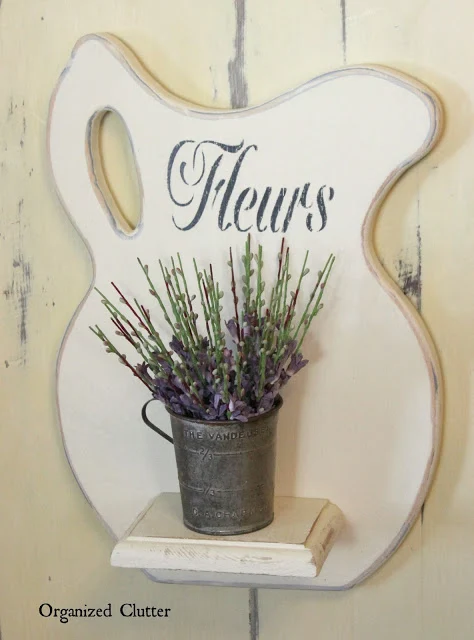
x,y
317,306
111,347
311,298
156,295
204,305
189,302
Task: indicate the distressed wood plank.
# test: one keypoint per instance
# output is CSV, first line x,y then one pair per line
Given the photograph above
x,y
416,595
289,43
423,38
305,616
388,605
45,271
411,33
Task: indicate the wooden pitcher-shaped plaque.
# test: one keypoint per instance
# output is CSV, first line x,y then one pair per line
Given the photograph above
x,y
361,425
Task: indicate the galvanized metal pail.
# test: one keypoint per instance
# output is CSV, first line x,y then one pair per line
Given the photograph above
x,y
226,471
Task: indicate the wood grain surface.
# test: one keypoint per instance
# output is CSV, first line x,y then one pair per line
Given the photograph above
x,y
52,547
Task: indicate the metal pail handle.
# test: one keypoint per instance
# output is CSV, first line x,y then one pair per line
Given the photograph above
x,y
151,425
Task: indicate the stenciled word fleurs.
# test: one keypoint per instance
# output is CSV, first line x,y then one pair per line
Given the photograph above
x,y
202,373
206,176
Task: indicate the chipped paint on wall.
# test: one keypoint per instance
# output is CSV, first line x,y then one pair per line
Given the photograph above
x,y
409,272
17,286
253,614
18,290
236,66
344,30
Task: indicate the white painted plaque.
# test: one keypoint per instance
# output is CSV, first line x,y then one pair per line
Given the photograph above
x,y
361,424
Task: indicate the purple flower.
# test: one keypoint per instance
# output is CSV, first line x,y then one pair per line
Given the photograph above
x,y
203,372
296,364
232,329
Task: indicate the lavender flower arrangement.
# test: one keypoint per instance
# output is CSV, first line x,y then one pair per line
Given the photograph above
x,y
198,375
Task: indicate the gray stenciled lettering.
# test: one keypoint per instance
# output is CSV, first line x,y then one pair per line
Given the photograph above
x,y
193,435
230,435
227,515
205,177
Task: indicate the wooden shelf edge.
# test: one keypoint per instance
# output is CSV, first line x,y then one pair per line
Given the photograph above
x,y
296,544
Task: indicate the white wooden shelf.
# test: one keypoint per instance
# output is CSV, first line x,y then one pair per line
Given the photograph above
x,y
295,544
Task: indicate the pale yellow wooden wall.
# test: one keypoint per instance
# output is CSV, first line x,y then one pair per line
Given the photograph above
x,y
52,547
